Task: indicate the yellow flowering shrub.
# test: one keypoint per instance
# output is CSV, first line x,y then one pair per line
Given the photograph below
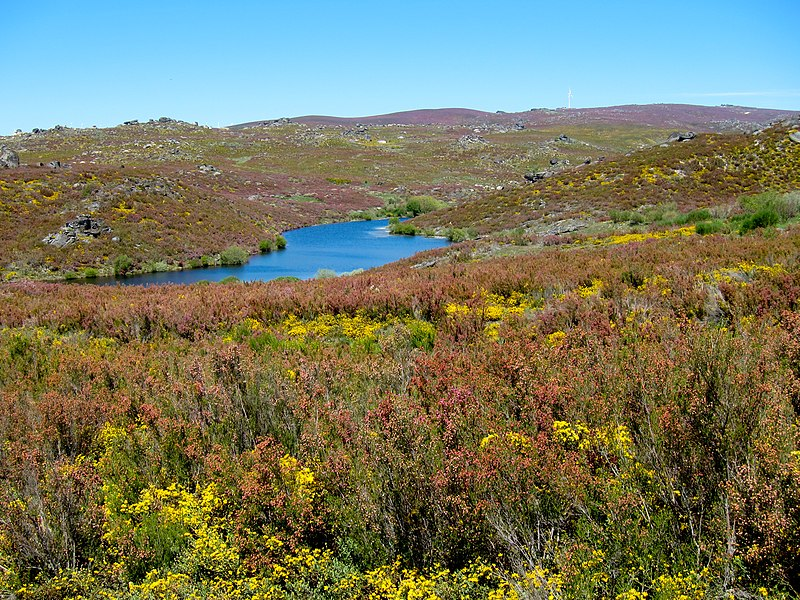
x,y
358,327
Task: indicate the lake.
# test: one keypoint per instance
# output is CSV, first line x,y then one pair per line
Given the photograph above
x,y
339,247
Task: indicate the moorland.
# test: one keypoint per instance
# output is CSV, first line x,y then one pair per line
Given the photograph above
x,y
593,393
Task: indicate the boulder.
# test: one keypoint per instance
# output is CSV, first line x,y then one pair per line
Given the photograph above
x,y
8,158
538,176
677,136
795,137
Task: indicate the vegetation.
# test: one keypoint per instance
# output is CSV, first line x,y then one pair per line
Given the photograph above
x,y
401,228
606,419
595,395
234,255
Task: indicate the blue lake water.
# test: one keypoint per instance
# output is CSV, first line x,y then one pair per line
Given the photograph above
x,y
339,247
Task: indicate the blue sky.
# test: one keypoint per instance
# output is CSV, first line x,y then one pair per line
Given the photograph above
x,y
84,63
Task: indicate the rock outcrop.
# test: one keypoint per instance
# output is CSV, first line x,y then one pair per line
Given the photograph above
x,y
8,158
82,227
677,136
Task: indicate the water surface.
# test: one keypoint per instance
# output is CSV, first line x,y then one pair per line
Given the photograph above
x,y
339,247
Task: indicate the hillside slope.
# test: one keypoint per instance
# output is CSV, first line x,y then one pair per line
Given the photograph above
x,y
709,170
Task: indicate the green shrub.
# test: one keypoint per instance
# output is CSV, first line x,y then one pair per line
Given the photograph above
x,y
786,206
403,229
69,275
230,279
695,216
280,242
325,274
459,234
195,263
423,204
765,217
122,264
626,216
233,255
90,273
265,246
709,227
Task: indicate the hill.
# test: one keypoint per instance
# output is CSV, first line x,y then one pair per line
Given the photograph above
x,y
167,194
679,116
708,170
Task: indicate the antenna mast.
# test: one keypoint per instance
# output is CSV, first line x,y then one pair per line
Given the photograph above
x,y
569,98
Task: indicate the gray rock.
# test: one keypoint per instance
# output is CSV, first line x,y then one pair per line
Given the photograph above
x,y
795,137
677,136
563,226
210,169
519,126
466,141
82,227
8,158
565,139
55,164
538,176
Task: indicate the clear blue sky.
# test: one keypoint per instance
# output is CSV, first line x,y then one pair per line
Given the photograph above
x,y
84,63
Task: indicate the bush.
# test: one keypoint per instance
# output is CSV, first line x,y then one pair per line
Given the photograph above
x,y
695,216
325,274
90,273
786,206
626,216
122,264
403,229
459,234
280,242
765,217
709,227
234,255
423,204
230,279
265,246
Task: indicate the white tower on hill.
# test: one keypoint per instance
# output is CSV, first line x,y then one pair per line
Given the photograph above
x,y
569,98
